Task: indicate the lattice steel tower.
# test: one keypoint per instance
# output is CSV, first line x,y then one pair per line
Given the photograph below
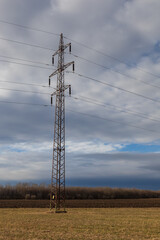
x,y
57,196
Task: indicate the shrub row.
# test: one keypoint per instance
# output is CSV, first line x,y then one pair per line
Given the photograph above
x,y
34,191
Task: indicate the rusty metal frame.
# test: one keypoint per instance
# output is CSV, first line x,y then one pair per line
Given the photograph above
x,y
57,195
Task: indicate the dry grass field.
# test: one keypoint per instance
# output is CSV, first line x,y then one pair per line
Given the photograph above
x,y
85,203
80,223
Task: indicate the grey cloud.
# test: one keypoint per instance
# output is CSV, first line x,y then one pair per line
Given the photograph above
x,y
23,122
137,157
144,165
115,28
22,11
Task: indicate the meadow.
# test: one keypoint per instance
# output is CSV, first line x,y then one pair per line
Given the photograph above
x,y
84,203
80,223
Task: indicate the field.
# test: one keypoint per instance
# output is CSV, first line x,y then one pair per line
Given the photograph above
x,y
77,224
89,203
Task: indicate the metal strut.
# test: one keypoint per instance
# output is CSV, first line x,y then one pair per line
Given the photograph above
x,y
57,195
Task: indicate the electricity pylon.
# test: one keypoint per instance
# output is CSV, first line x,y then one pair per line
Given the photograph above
x,y
57,196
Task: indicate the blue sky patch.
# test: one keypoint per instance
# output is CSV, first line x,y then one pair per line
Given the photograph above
x,y
141,148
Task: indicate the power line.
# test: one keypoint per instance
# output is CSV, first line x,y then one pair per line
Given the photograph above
x,y
119,88
26,60
74,56
22,59
81,44
89,100
81,113
29,28
26,91
25,103
108,104
110,120
85,99
82,98
29,84
83,76
25,64
96,80
27,44
114,70
114,58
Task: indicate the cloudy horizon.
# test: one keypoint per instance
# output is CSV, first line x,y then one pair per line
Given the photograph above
x,y
112,118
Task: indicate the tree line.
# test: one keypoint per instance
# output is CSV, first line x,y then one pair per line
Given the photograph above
x,y
42,191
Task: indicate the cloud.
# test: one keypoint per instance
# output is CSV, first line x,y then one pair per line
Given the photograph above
x,y
24,166
114,165
123,30
91,147
105,168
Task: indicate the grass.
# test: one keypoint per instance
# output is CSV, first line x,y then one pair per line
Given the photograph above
x,y
77,224
84,203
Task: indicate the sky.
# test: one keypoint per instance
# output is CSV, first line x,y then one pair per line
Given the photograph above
x,y
113,116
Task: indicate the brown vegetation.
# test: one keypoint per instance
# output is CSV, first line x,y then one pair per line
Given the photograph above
x,y
84,203
34,191
80,224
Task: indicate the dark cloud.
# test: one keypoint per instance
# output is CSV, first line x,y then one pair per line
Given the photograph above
x,y
120,182
121,30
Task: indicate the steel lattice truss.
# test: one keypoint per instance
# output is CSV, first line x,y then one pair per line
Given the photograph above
x,y
57,198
